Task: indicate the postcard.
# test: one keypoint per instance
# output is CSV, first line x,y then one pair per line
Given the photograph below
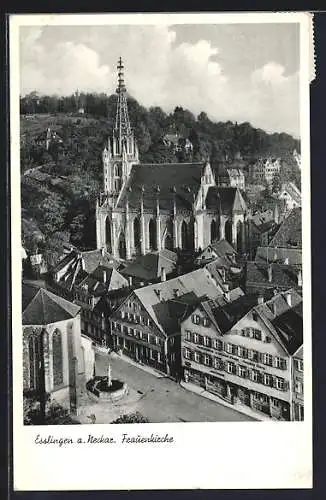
x,y
161,257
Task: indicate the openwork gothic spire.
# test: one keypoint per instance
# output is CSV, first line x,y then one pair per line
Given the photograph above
x,y
122,123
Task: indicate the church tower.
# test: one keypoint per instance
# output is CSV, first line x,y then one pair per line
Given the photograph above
x,y
120,151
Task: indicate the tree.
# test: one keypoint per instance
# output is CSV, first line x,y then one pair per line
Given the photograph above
x,y
131,418
54,248
276,184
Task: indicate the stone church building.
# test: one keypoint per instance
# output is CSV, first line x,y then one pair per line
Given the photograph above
x,y
146,207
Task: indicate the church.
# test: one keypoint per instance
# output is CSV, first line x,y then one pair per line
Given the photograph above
x,y
150,207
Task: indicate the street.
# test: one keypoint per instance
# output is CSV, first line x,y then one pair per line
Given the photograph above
x,y
164,400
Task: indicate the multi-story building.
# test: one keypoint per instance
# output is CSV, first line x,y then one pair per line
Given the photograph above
x,y
246,361
291,196
146,325
297,384
87,294
264,170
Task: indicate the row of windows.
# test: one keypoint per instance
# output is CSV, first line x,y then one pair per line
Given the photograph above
x,y
240,371
152,354
145,337
298,364
242,352
198,320
135,318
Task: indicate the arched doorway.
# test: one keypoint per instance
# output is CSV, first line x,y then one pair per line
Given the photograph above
x,y
240,236
214,230
137,234
152,234
122,246
184,235
108,235
228,231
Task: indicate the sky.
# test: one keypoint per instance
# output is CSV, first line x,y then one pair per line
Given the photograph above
x,y
237,72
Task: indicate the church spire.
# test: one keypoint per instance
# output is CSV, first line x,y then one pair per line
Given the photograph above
x,y
122,124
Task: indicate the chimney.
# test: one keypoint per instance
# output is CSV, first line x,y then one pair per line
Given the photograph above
x,y
223,274
176,292
260,299
163,274
130,280
286,261
158,293
102,251
82,263
299,278
288,297
104,276
226,291
270,273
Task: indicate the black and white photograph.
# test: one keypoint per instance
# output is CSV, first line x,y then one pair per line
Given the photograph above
x,y
161,226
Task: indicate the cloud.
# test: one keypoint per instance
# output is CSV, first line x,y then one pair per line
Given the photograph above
x,y
271,73
159,71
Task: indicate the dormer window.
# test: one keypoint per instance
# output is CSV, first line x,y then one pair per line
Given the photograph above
x,y
196,319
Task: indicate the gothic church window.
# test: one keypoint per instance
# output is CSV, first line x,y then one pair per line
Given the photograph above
x,y
57,353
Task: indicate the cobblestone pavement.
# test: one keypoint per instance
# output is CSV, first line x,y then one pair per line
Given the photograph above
x,y
158,399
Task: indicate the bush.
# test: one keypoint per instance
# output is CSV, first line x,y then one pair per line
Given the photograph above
x,y
131,418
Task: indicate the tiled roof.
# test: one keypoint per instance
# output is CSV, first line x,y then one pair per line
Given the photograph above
x,y
41,307
283,319
225,311
95,258
185,177
149,267
153,297
289,326
229,199
289,234
101,280
279,255
285,276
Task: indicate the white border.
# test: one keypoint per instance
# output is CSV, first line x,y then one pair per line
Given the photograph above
x,y
204,455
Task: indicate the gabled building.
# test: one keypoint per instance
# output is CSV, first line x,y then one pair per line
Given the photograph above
x,y
53,353
243,354
264,170
220,251
291,195
88,292
146,324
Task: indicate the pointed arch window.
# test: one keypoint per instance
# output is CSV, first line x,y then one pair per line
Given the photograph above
x,y
57,356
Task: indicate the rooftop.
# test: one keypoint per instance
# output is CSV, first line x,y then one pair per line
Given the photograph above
x,y
149,267
289,234
41,307
229,199
184,177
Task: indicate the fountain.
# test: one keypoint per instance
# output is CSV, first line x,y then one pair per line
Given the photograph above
x,y
106,387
